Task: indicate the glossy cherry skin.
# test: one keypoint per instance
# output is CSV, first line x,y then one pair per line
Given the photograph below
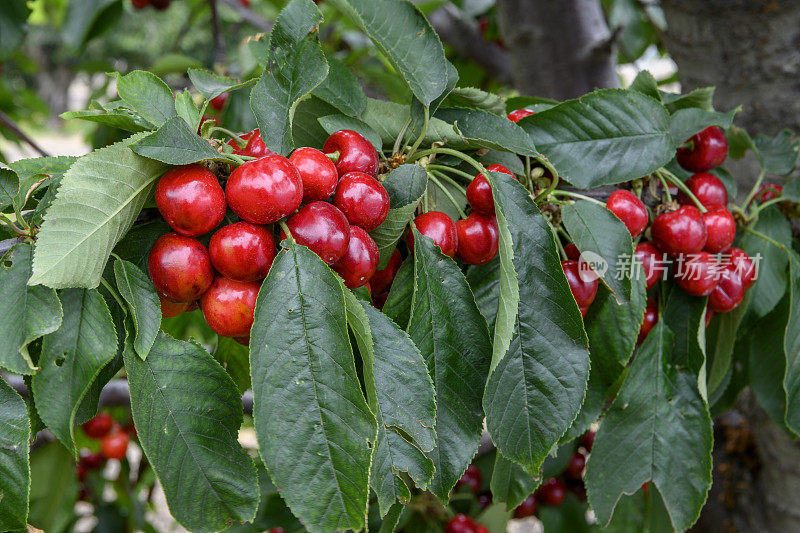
x,y
362,199
115,445
471,479
460,523
650,319
356,154
572,251
519,114
318,173
587,440
697,274
382,279
229,305
629,209
680,232
439,227
479,192
527,508
360,261
552,492
218,102
768,191
180,267
708,188
191,200
742,264
720,229
242,251
264,190
321,227
652,262
574,469
478,239
255,146
728,293
583,291
169,308
99,426
709,150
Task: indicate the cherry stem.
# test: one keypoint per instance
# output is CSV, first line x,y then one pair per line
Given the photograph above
x,y
756,210
455,153
234,158
578,196
664,185
551,189
334,156
16,229
447,193
400,136
241,142
286,230
561,251
422,133
765,237
672,178
455,171
754,189
113,292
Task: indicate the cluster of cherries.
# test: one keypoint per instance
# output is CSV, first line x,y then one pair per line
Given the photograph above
x,y
113,443
159,5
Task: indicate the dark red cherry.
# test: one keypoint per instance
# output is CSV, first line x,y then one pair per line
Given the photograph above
x,y
242,251
519,114
697,273
471,479
439,227
233,143
264,190
768,191
680,232
382,279
583,291
317,172
169,308
708,188
99,426
708,150
362,199
587,440
728,293
190,199
460,523
527,508
572,251
159,5
552,492
478,239
218,102
652,261
356,154
140,4
229,305
720,229
359,262
255,146
742,264
484,499
322,228
574,469
650,319
629,209
180,267
479,192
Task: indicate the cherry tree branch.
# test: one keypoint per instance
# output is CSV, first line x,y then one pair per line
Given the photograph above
x,y
6,121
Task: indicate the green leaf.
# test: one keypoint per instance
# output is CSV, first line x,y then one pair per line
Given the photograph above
x,y
640,512
475,98
406,185
9,187
86,19
175,143
401,33
685,316
140,295
484,280
15,473
294,23
686,122
722,342
658,428
608,136
172,63
119,120
136,244
341,89
13,26
148,95
211,85
418,108
334,123
99,199
699,98
306,129
54,489
510,482
235,359
187,412
71,359
646,84
791,346
488,130
452,336
307,396
398,304
187,109
778,155
389,119
26,314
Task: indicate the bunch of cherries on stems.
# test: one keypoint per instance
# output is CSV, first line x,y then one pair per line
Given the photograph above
x,y
159,5
113,443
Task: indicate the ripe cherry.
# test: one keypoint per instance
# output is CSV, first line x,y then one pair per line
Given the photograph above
x,y
379,300
264,190
382,279
629,209
255,146
218,102
479,192
322,228
519,114
180,267
359,262
583,291
362,199
574,469
572,251
318,173
242,251
471,479
587,440
277,530
652,262
460,523
527,508
708,150
720,229
229,306
115,444
356,154
728,293
140,4
650,319
708,188
439,227
160,5
99,426
484,500
233,143
91,461
191,200
552,492
583,311
169,308
478,239
697,273
680,232
741,263
768,191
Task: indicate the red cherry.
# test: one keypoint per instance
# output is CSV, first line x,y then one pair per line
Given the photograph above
x,y
190,200
680,232
460,523
229,305
479,192
484,500
218,102
277,530
382,279
356,154
359,262
92,461
317,172
697,274
583,291
244,136
99,426
519,114
255,146
720,229
527,508
478,239
552,492
768,191
439,227
574,469
572,251
650,319
587,440
180,267
160,5
709,149
708,188
728,293
242,251
321,227
379,300
652,261
471,479
480,528
140,4
244,341
115,445
362,199
583,311
264,190
169,308
629,209
741,263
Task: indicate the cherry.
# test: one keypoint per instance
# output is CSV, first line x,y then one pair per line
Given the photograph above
x,y
709,316
587,440
680,232
242,251
140,4
244,341
652,262
708,188
478,239
768,191
720,229
697,274
572,251
233,143
99,426
741,263
460,523
728,293
484,500
92,461
480,528
479,192
160,5
708,150
190,200
471,479
321,227
629,209
439,227
356,154
218,102
577,488
115,445
255,146
169,308
277,530
379,300
527,508
519,114
229,306
180,267
650,319
382,279
264,190
359,262
583,311
317,172
362,199
574,469
552,492
583,291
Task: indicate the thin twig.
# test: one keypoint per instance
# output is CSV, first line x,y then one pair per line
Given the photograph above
x,y
6,121
219,42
